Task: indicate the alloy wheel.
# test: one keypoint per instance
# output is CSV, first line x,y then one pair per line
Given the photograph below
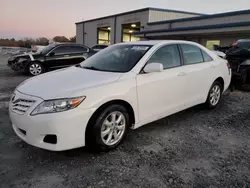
x,y
35,69
215,94
113,128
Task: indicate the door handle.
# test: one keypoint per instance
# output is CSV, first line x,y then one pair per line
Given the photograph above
x,y
182,74
212,66
66,55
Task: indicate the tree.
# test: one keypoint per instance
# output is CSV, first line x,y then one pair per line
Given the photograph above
x,y
28,42
72,39
42,41
60,39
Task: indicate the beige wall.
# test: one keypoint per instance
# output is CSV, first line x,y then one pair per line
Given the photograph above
x,y
79,33
155,16
141,17
90,38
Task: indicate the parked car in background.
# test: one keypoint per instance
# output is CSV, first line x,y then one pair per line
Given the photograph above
x,y
37,48
51,57
238,55
220,54
99,47
123,86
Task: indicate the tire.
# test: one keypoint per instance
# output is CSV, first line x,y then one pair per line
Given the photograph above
x,y
35,68
100,136
214,95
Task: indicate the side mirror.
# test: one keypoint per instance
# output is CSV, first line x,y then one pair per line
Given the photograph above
x,y
153,67
51,54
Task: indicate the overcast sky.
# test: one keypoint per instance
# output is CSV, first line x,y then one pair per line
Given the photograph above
x,y
35,18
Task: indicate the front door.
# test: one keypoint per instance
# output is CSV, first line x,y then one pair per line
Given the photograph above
x,y
162,93
59,58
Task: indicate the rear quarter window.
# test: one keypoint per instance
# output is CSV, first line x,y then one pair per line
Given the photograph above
x,y
244,45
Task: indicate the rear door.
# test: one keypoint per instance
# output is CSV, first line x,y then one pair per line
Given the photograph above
x,y
76,54
199,70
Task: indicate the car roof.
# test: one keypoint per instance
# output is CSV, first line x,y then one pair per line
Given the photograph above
x,y
101,45
67,44
244,40
155,42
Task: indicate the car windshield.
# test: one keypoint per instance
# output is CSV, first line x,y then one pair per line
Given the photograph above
x,y
116,58
47,49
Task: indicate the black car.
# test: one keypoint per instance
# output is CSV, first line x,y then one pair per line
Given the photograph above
x,y
53,56
99,47
238,56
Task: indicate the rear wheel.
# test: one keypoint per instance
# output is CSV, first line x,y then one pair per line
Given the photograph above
x,y
214,95
108,130
35,68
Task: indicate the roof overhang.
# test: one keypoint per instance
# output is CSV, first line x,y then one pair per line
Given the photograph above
x,y
196,29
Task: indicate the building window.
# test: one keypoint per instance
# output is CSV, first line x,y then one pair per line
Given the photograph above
x,y
128,30
210,44
104,35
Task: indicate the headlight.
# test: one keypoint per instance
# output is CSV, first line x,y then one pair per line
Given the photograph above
x,y
12,58
21,60
57,105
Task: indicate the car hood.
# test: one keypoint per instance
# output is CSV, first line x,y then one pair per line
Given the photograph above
x,y
64,82
23,55
30,56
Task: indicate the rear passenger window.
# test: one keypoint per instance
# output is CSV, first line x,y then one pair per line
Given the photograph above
x,y
192,54
77,49
168,55
206,57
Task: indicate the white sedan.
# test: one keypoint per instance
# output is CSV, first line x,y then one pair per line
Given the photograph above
x,y
123,86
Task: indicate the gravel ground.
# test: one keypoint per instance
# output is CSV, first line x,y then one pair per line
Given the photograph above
x,y
194,148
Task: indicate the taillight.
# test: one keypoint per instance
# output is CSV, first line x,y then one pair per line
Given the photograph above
x,y
235,44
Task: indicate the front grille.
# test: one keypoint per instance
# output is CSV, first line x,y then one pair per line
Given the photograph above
x,y
20,106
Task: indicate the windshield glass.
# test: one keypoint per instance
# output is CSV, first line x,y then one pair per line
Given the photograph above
x,y
116,58
47,49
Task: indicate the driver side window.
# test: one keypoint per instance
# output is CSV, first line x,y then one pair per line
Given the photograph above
x,y
168,56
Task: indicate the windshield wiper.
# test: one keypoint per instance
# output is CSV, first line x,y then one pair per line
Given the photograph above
x,y
92,68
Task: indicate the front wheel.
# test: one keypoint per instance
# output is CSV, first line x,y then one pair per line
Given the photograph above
x,y
35,68
109,128
214,95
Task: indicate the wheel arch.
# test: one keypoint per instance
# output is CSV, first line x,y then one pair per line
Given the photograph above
x,y
221,80
35,61
121,102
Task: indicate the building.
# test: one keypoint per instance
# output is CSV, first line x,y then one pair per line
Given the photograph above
x,y
120,27
151,23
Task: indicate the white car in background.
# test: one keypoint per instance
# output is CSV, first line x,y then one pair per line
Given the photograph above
x,y
220,54
123,86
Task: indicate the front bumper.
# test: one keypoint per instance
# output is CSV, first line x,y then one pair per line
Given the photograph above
x,y
16,66
68,127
